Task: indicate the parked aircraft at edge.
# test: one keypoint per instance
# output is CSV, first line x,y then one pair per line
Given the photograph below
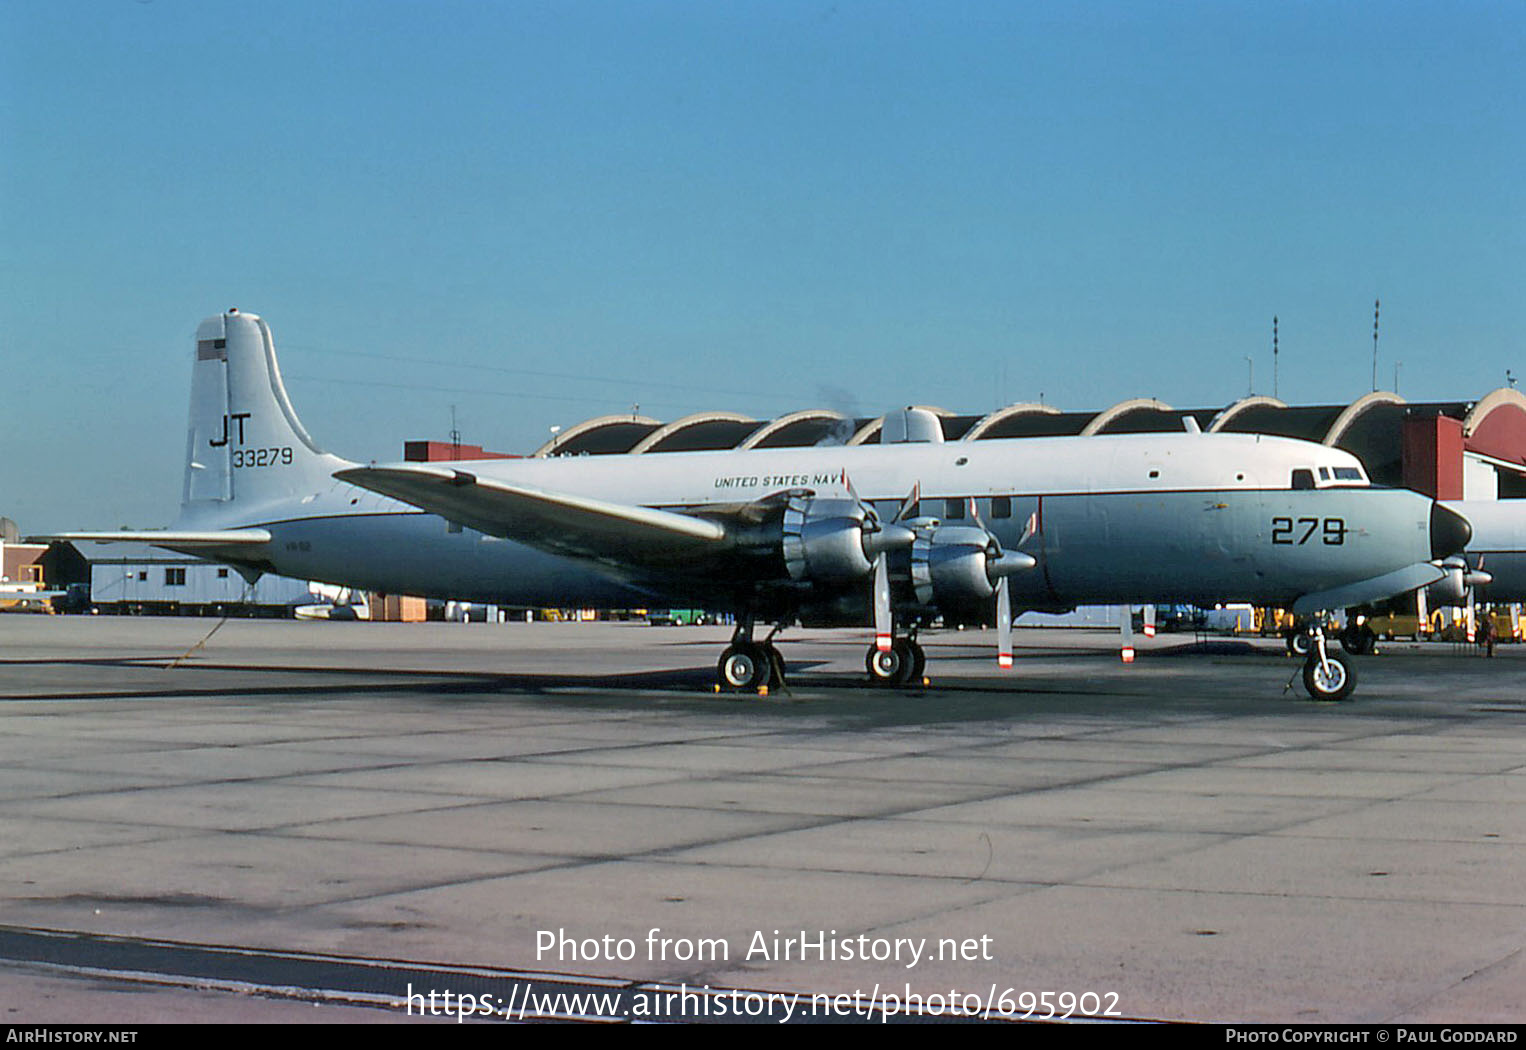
x,y
896,534
1493,569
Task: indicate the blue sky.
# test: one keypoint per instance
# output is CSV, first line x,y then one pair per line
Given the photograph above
x,y
541,212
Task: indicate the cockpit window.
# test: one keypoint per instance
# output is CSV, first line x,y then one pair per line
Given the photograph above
x,y
1324,473
1303,478
1348,474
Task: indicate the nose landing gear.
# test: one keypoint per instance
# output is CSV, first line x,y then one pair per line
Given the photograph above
x,y
1327,675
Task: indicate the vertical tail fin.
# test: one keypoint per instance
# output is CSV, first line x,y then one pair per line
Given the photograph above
x,y
245,446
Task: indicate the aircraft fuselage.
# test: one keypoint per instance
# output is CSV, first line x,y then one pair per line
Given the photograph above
x,y
1160,517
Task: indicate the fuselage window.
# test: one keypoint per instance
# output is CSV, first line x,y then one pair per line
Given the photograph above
x,y
1001,506
1303,478
953,510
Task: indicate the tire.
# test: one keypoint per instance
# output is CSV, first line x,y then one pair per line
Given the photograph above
x,y
742,668
918,662
775,667
1358,641
1298,643
1338,685
886,668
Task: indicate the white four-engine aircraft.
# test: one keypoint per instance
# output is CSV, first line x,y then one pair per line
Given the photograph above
x,y
896,535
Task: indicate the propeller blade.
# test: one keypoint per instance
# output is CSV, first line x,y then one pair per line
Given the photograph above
x,y
882,621
909,504
1003,624
1030,528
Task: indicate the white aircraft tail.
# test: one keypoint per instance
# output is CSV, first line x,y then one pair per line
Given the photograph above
x,y
246,449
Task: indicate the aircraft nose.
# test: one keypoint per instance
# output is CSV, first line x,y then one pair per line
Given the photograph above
x,y
1450,531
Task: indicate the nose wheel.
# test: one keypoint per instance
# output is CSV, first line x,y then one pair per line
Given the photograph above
x,y
1326,675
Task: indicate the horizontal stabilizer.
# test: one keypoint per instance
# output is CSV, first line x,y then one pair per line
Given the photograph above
x,y
556,521
1389,585
189,542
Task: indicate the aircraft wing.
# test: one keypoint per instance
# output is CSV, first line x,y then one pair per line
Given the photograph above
x,y
207,543
1400,581
556,521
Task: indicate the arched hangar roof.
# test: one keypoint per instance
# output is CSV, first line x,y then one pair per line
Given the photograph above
x,y
1140,409
1496,426
600,436
993,421
803,428
1227,416
698,432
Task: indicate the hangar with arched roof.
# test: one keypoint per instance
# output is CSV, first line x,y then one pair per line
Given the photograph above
x,y
799,429
1450,449
603,436
698,432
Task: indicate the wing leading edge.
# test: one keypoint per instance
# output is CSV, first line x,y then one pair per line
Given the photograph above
x,y
556,521
1400,581
206,543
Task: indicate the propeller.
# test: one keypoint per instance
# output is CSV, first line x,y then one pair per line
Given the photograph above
x,y
1001,565
1472,578
878,544
883,624
1003,624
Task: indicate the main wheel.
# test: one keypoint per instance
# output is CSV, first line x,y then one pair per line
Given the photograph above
x,y
775,667
1358,639
1298,642
742,667
886,667
918,662
1334,684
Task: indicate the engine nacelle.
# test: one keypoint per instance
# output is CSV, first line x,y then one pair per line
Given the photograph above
x,y
1454,588
957,567
823,539
948,565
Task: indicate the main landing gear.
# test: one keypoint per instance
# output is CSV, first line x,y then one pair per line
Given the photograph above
x,y
1357,638
747,666
901,664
